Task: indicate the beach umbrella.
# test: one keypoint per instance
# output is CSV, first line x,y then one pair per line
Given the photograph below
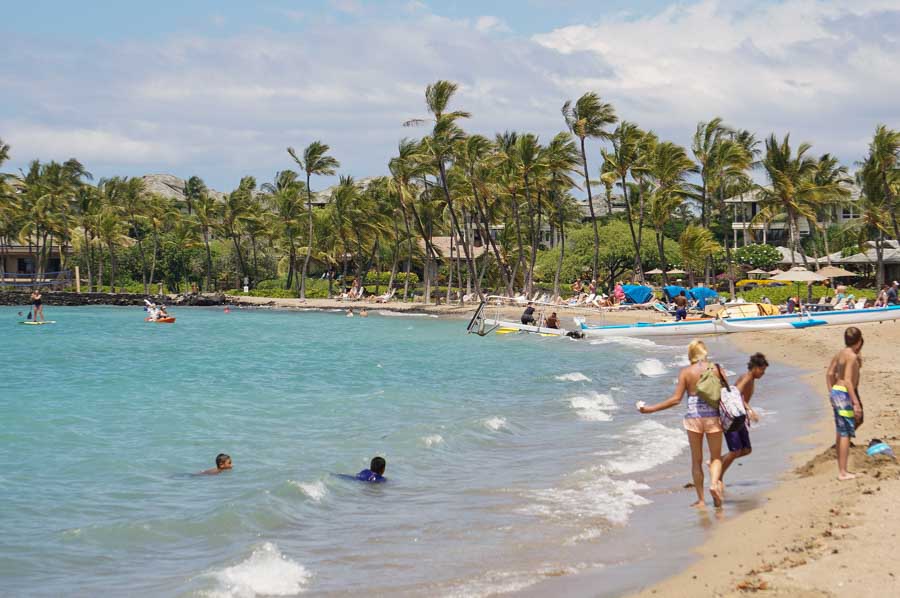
x,y
676,271
758,271
654,271
799,274
835,272
776,272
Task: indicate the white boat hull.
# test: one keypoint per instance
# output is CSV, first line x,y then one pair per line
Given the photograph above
x,y
503,324
752,324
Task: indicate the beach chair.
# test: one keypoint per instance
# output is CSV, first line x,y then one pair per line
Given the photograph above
x,y
861,304
842,304
386,297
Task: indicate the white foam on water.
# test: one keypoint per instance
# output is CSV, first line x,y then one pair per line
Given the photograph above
x,y
401,314
266,572
680,362
639,343
573,377
593,496
650,368
493,583
316,491
646,445
593,407
495,423
432,440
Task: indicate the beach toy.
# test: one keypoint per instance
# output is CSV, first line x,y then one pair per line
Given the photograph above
x,y
879,447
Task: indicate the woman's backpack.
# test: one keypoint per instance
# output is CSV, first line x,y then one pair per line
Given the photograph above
x,y
709,386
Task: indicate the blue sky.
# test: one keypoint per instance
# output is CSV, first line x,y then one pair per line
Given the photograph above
x,y
220,88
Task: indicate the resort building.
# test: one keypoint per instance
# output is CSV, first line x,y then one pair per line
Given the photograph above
x,y
17,262
775,232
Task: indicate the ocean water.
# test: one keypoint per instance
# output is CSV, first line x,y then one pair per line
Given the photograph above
x,y
513,460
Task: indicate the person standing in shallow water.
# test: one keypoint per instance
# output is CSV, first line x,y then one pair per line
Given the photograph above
x,y
842,380
700,420
739,440
37,306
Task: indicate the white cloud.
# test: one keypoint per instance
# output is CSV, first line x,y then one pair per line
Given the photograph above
x,y
489,24
225,106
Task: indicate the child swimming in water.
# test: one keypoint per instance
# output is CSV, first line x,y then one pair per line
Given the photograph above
x,y
223,463
375,473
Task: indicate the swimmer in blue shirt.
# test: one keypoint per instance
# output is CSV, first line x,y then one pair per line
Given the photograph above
x,y
375,473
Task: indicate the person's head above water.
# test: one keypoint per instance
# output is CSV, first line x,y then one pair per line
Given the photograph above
x,y
697,351
223,461
378,465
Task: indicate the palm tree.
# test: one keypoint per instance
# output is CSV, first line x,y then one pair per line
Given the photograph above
x,y
286,204
697,246
794,190
561,158
630,146
194,188
234,210
829,174
88,202
530,163
668,168
113,233
589,117
408,166
315,161
884,153
439,147
207,213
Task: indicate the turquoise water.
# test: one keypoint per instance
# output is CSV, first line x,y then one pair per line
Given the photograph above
x,y
511,459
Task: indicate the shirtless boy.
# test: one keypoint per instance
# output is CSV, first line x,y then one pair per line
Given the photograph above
x,y
842,379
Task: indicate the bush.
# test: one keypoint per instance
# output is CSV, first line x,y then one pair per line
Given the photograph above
x,y
780,294
762,256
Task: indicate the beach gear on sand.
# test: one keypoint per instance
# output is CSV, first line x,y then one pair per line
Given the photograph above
x,y
879,447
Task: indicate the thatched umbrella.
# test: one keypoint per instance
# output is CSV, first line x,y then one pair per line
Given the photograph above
x,y
758,272
799,274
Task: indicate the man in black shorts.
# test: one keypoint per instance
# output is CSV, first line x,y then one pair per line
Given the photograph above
x,y
528,314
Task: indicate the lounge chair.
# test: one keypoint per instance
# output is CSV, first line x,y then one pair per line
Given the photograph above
x,y
861,304
386,297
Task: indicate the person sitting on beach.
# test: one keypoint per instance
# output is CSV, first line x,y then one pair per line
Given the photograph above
x,y
552,321
528,314
375,473
618,294
739,440
681,305
792,304
881,300
223,463
842,380
891,294
701,419
577,287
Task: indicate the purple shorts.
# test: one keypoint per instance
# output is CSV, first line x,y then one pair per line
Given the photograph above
x,y
739,439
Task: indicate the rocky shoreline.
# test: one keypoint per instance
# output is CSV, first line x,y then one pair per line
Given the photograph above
x,y
66,298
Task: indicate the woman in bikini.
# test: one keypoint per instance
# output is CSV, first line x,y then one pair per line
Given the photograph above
x,y
700,420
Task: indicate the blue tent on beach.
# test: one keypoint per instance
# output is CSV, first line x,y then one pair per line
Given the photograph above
x,y
703,295
636,293
673,290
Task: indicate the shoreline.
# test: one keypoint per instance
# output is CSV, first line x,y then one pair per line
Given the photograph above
x,y
844,538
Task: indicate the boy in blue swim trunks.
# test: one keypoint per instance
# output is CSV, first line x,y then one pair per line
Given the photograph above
x,y
842,379
739,440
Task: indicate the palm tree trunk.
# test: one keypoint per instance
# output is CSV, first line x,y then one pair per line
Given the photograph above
x,y
409,248
455,222
208,260
309,245
292,258
112,269
723,219
879,260
520,260
661,248
89,252
486,225
562,249
630,218
141,253
587,184
534,246
155,254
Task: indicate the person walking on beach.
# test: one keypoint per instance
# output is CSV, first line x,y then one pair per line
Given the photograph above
x,y
681,305
739,440
701,419
37,306
842,379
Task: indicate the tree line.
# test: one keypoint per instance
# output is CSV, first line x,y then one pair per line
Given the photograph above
x,y
508,193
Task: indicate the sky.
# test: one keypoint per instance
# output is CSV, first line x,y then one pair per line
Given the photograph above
x,y
220,89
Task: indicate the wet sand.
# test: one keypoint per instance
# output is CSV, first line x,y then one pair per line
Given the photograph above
x,y
813,535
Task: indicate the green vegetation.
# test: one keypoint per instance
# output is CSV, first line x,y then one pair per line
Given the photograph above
x,y
503,207
781,294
